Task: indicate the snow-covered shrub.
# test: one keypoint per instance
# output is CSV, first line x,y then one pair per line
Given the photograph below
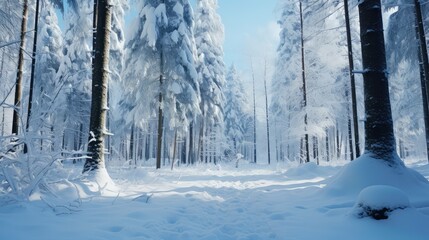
x,y
379,201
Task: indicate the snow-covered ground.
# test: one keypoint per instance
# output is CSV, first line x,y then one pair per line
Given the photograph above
x,y
222,202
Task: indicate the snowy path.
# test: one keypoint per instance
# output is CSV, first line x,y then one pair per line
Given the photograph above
x,y
196,203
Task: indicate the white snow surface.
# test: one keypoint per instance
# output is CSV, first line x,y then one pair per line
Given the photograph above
x,y
283,201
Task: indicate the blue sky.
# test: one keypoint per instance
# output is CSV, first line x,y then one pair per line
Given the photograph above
x,y
245,20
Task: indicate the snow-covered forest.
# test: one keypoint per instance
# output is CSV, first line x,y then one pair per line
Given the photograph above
x,y
127,119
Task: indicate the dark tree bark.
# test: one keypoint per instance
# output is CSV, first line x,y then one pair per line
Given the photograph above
x,y
33,67
191,144
352,79
160,115
379,135
100,77
304,88
132,141
18,84
424,67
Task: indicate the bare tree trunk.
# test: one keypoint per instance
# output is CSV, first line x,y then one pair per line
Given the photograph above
x,y
100,77
160,113
33,67
352,79
174,149
200,140
191,144
18,84
266,114
131,153
424,68
349,127
254,116
304,88
327,145
379,138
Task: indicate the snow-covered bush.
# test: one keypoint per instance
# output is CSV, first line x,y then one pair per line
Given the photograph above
x,y
379,201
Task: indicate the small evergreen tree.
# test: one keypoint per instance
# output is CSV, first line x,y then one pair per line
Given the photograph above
x,y
236,115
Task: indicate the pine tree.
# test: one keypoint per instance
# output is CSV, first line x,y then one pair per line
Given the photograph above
x,y
236,113
75,73
167,74
209,36
406,96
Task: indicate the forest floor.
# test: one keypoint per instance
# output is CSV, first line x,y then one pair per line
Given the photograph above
x,y
210,202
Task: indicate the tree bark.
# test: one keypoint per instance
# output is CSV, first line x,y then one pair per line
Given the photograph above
x,y
160,114
379,137
174,149
424,67
352,79
18,84
191,144
266,114
100,77
304,88
254,117
349,128
33,69
131,153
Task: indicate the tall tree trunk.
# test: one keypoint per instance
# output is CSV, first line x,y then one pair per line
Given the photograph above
x,y
183,151
2,123
254,116
200,140
191,144
304,88
18,84
160,112
266,114
352,79
131,153
379,137
33,69
100,78
327,145
424,68
174,149
349,127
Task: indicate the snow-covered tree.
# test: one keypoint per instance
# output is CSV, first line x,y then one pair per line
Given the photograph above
x,y
10,17
209,36
324,78
403,65
236,110
49,55
75,72
286,78
161,65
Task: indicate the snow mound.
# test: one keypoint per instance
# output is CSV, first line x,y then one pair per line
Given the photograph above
x,y
308,170
379,201
366,171
94,182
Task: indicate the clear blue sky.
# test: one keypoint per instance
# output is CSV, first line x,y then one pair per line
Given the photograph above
x,y
245,21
